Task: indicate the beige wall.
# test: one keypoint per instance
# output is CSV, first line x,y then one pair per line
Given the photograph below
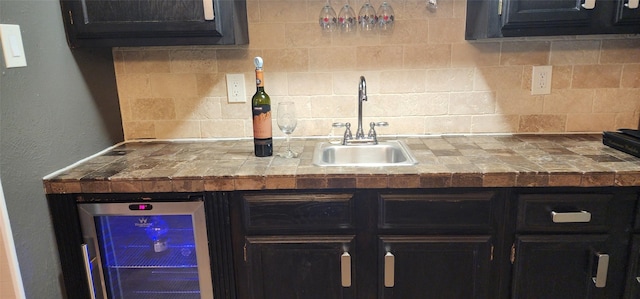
x,y
423,78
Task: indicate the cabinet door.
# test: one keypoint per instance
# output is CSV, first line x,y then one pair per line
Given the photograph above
x,y
550,14
567,266
632,289
435,267
145,22
627,15
309,267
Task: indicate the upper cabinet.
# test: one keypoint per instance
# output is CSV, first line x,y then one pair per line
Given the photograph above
x,y
512,18
117,23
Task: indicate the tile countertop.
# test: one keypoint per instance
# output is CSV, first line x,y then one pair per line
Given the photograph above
x,y
444,161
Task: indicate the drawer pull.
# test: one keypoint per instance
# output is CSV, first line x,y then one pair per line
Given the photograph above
x,y
601,272
589,4
571,217
632,4
345,269
389,270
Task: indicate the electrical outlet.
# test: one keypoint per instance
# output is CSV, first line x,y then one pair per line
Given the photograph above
x,y
235,88
541,79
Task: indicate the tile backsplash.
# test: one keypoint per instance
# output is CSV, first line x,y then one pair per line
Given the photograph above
x,y
422,78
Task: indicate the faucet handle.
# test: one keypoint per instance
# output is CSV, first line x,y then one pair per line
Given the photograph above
x,y
347,133
372,131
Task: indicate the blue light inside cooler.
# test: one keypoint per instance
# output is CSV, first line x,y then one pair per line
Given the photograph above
x,y
148,256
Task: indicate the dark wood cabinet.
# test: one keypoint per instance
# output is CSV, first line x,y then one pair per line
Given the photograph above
x,y
108,23
571,245
512,18
309,267
368,244
435,267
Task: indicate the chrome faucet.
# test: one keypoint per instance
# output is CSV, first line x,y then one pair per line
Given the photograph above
x,y
360,137
362,96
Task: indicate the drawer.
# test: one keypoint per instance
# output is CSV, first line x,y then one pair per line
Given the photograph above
x,y
447,212
298,212
576,212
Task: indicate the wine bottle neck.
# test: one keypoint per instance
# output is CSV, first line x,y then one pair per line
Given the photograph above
x,y
259,79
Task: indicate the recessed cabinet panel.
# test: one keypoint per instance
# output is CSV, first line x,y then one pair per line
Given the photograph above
x,y
298,212
435,267
436,211
309,267
527,13
567,266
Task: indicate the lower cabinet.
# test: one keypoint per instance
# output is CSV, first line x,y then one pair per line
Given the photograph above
x,y
310,267
435,267
571,245
368,244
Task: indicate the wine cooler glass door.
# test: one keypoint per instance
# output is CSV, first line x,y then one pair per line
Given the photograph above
x,y
150,250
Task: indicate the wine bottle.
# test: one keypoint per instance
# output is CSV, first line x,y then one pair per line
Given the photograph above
x,y
261,106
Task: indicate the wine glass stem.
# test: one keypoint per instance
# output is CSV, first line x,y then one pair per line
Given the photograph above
x,y
288,143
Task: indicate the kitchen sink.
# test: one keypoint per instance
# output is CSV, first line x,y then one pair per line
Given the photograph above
x,y
385,153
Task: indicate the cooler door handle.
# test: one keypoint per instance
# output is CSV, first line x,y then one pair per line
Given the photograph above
x,y
87,270
208,10
345,269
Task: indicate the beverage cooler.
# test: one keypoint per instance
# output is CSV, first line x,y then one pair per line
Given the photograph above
x,y
146,250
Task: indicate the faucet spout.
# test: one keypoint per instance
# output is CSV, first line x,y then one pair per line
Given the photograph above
x,y
362,96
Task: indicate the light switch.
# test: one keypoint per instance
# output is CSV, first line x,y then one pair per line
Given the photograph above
x,y
12,46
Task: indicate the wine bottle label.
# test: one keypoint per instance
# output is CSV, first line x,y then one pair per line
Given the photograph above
x,y
262,122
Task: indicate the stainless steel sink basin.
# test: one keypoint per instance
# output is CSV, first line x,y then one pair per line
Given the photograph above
x,y
387,153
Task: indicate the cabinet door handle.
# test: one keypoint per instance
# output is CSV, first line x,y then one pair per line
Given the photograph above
x,y
87,270
589,4
208,10
601,272
632,4
389,270
571,217
345,269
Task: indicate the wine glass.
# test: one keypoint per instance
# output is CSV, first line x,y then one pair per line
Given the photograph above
x,y
287,123
367,17
385,17
347,19
328,19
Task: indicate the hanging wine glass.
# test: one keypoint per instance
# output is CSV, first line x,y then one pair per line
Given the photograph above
x,y
328,19
347,19
386,17
367,17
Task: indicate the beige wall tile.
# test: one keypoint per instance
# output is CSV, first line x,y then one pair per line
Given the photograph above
x,y
542,123
596,76
631,76
475,54
518,101
525,53
591,122
422,77
193,61
569,101
153,109
497,78
458,79
472,103
575,52
494,123
173,85
620,51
